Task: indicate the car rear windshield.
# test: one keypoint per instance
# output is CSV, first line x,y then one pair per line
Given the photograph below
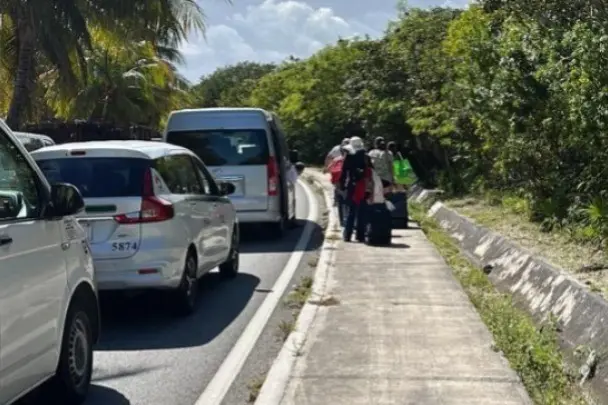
x,y
243,147
98,177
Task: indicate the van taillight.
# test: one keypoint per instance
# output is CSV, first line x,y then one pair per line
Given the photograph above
x,y
153,209
273,176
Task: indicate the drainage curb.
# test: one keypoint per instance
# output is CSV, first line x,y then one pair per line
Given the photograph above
x,y
540,288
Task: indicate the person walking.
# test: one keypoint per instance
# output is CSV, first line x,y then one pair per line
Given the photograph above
x,y
397,157
382,160
335,171
354,179
402,176
335,152
392,148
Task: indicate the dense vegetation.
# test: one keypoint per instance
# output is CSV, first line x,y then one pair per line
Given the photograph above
x,y
507,97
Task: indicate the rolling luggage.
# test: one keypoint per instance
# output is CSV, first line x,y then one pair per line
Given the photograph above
x,y
400,214
379,226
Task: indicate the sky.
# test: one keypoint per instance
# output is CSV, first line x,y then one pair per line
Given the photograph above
x,y
272,30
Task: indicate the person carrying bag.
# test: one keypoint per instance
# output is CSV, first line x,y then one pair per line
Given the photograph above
x,y
402,171
404,177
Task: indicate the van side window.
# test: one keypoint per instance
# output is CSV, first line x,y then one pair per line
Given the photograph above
x,y
19,192
177,173
209,184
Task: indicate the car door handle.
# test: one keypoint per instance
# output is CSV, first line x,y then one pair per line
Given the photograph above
x,y
5,240
65,245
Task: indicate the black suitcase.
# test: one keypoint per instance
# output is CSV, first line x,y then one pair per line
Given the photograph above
x,y
379,226
400,214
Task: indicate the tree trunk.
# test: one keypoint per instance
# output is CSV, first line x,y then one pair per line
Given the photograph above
x,y
21,87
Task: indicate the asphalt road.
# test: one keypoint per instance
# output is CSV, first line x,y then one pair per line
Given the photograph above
x,y
147,356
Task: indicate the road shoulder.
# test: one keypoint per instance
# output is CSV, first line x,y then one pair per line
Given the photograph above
x,y
278,377
399,325
248,382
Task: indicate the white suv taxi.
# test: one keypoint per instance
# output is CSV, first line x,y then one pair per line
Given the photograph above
x,y
49,314
155,217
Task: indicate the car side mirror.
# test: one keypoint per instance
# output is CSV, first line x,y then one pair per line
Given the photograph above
x,y
294,156
65,200
300,167
226,188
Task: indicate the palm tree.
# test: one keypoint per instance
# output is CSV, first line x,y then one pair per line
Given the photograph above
x,y
125,84
58,32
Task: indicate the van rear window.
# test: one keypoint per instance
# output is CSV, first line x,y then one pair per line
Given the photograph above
x,y
98,177
243,147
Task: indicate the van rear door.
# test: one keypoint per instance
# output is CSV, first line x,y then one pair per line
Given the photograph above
x,y
238,156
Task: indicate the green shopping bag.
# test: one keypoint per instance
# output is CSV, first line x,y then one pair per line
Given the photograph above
x,y
403,172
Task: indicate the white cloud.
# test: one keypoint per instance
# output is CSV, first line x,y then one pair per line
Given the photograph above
x,y
269,32
456,3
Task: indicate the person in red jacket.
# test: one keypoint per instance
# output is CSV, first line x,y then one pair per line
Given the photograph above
x,y
335,171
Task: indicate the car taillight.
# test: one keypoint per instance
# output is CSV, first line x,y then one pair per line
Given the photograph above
x,y
273,176
153,209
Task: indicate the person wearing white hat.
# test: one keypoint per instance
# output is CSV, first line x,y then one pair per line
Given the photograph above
x,y
354,180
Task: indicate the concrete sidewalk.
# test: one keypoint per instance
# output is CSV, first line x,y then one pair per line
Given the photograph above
x,y
403,332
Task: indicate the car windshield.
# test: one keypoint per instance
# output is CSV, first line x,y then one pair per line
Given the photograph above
x,y
98,177
225,147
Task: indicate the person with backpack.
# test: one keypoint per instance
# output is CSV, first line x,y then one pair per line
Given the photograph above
x,y
353,185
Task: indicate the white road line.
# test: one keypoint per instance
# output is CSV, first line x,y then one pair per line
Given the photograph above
x,y
233,363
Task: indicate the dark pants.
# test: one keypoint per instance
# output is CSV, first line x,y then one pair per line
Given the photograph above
x,y
356,220
339,202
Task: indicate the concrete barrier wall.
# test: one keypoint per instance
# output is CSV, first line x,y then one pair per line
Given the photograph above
x,y
536,286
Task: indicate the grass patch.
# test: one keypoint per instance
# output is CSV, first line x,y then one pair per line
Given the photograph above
x,y
254,386
510,217
285,329
532,352
295,301
299,295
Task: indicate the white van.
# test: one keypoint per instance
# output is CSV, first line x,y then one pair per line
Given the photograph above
x,y
49,313
246,147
